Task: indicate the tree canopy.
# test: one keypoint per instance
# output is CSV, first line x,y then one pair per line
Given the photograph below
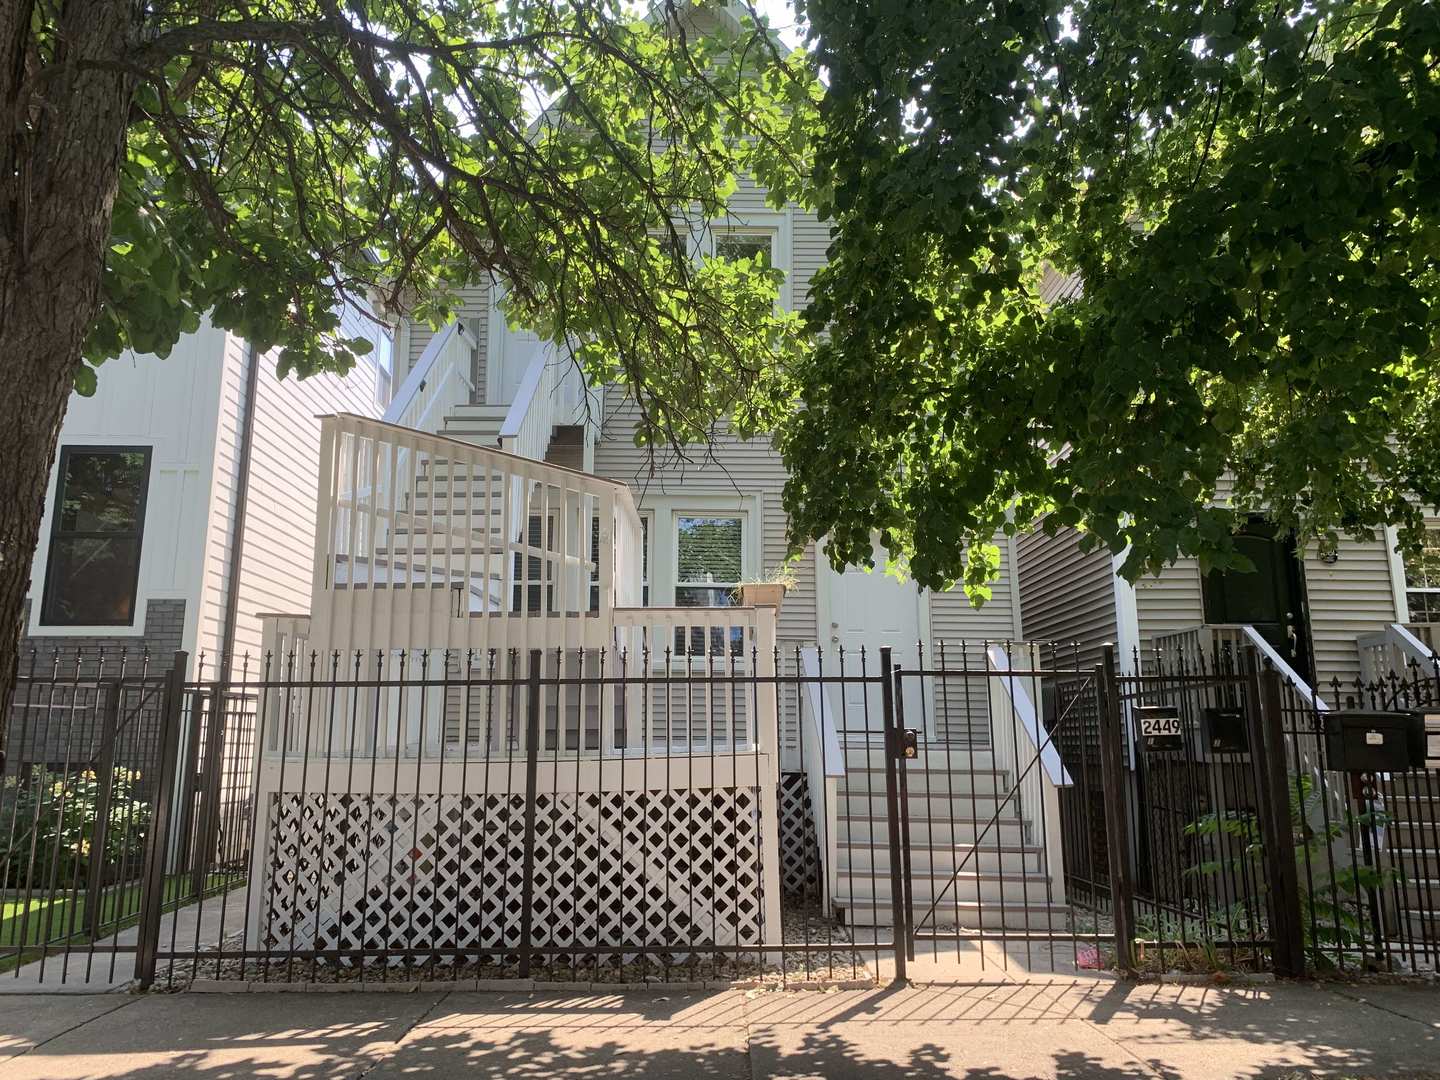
x,y
285,154
1141,268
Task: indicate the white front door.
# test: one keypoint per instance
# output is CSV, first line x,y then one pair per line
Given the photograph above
x,y
873,610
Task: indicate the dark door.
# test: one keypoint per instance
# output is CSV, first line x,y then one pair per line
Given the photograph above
x,y
1270,598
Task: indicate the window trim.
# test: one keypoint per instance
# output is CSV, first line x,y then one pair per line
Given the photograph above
x,y
775,224
62,461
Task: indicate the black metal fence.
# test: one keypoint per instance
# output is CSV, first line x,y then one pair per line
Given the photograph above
x,y
701,815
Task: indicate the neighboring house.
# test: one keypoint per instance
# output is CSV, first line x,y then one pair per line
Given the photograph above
x,y
188,504
1357,613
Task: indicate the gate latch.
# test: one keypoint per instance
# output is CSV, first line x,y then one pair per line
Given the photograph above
x,y
910,743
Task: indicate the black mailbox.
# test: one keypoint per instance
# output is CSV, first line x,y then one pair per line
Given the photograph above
x,y
1225,731
1357,740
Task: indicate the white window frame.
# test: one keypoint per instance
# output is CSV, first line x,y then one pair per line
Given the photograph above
x,y
716,515
774,224
1430,589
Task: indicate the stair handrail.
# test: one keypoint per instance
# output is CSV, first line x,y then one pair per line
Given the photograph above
x,y
539,404
824,765
439,381
1392,648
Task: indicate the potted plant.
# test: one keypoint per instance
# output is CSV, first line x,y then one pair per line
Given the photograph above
x,y
769,590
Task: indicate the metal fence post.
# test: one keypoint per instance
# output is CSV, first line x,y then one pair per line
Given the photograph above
x,y
532,761
100,828
893,751
1117,834
1287,923
152,886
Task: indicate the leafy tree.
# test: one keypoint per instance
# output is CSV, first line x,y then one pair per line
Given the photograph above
x,y
1098,260
260,162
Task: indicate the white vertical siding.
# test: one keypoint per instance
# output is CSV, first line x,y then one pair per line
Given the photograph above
x,y
169,405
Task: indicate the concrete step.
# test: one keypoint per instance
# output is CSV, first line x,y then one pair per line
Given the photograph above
x,y
930,859
1407,831
859,754
1007,831
865,911
938,781
925,805
983,887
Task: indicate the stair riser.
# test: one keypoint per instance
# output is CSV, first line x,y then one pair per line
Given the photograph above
x,y
926,861
924,890
926,806
1007,833
957,758
990,917
941,784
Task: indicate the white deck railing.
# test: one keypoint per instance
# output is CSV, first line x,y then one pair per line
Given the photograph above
x,y
1394,649
421,541
440,380
551,393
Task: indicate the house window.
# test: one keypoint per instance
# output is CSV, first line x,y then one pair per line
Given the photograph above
x,y
709,563
709,560
1422,581
94,564
735,246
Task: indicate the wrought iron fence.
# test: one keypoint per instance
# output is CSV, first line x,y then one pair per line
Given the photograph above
x,y
710,813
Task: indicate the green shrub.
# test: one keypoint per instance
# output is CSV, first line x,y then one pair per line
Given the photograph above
x,y
49,819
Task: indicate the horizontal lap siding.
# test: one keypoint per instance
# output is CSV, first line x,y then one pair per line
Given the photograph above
x,y
278,554
958,631
1353,596
1169,601
1066,594
474,309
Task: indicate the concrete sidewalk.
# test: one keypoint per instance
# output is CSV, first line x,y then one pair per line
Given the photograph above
x,y
1053,1029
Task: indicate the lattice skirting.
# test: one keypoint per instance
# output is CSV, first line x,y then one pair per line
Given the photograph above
x,y
799,847
405,873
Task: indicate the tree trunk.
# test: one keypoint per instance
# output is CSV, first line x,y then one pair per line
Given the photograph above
x,y
60,159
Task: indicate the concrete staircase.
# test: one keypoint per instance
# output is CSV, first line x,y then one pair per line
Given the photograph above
x,y
953,793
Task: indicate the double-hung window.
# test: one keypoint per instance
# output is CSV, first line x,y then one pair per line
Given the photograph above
x,y
1422,581
93,570
709,564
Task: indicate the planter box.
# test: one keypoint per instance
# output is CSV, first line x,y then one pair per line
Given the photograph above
x,y
762,594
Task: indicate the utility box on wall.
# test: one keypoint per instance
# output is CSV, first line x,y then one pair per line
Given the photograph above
x,y
1359,740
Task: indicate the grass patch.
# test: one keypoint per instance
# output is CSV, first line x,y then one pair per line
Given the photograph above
x,y
61,918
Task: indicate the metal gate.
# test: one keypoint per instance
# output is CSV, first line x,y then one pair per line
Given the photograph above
x,y
121,804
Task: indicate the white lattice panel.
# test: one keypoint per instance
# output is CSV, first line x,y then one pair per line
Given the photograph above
x,y
405,873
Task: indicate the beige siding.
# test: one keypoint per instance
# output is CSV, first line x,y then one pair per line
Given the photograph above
x,y
738,469
1169,601
1350,597
1066,594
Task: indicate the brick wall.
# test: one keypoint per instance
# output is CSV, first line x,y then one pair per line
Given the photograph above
x,y
164,635
66,683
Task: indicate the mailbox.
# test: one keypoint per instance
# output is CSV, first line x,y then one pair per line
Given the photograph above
x,y
1225,731
1358,740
